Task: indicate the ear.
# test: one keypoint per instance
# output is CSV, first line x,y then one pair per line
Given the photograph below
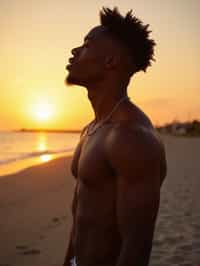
x,y
112,61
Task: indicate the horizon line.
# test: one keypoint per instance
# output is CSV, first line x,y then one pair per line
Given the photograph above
x,y
73,130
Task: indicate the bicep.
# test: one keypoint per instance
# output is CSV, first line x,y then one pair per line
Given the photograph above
x,y
135,159
137,205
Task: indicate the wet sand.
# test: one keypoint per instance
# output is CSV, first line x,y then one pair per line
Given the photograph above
x,y
35,216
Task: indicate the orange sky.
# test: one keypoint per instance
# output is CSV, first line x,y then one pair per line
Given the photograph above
x,y
36,40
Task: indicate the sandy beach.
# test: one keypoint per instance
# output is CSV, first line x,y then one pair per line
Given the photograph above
x,y
35,216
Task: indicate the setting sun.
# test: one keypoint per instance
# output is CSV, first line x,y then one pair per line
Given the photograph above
x,y
43,111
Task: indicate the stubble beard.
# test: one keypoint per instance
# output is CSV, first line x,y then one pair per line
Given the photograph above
x,y
84,82
70,81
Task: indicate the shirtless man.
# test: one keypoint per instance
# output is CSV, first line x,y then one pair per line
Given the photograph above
x,y
119,164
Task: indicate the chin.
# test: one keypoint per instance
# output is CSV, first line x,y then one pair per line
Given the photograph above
x,y
70,80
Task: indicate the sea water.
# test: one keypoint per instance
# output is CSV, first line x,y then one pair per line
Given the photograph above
x,y
16,147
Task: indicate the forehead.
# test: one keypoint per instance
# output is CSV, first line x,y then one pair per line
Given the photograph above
x,y
103,40
97,33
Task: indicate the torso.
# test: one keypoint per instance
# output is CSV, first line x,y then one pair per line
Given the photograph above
x,y
95,238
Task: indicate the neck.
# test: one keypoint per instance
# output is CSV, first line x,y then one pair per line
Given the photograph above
x,y
104,98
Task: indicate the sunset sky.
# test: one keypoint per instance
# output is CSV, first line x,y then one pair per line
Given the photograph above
x,y
36,40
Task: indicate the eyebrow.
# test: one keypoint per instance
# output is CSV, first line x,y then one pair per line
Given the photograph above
x,y
87,38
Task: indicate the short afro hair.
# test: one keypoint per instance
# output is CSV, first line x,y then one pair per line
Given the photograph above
x,y
130,31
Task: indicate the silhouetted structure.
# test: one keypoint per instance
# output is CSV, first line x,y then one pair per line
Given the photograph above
x,y
189,128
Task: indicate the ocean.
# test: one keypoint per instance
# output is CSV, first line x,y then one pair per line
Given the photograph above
x,y
16,147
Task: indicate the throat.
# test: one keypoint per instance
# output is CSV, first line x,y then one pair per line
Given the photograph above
x,y
103,106
97,124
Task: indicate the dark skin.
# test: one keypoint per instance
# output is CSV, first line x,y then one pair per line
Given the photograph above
x,y
119,169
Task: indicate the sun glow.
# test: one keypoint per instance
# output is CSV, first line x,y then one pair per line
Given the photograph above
x,y
43,111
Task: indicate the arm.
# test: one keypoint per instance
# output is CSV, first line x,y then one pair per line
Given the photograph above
x,y
70,250
135,159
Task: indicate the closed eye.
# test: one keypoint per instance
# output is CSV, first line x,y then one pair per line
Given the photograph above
x,y
86,44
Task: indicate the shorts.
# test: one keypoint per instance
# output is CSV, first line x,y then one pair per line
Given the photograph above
x,y
73,261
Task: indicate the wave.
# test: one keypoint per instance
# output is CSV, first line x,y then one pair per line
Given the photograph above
x,y
33,155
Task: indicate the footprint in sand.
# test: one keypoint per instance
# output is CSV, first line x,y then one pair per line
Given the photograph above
x,y
21,247
55,220
25,250
31,252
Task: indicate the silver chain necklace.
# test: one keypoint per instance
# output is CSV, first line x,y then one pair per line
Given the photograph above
x,y
91,131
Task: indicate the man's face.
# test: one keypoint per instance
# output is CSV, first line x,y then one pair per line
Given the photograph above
x,y
87,65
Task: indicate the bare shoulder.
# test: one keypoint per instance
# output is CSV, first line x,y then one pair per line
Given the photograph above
x,y
136,149
133,130
125,136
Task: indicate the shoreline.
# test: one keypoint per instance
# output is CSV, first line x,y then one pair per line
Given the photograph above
x,y
19,165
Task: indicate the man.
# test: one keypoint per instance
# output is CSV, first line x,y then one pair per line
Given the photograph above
x,y
119,164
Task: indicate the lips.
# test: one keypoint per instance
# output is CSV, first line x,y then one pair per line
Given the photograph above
x,y
71,62
68,67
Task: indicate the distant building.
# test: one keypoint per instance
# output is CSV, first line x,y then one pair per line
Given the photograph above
x,y
181,128
178,129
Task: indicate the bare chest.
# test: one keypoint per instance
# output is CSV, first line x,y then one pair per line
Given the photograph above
x,y
89,162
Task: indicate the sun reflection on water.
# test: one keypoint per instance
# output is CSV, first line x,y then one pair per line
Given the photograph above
x,y
42,146
42,142
46,157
